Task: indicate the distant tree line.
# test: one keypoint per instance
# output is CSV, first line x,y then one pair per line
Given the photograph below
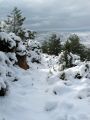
x,y
53,46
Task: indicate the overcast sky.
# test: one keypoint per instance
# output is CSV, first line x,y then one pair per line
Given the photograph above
x,y
50,14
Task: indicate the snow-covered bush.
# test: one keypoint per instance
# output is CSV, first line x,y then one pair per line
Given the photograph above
x,y
3,26
5,65
67,60
70,75
34,51
12,57
20,48
26,34
15,37
7,44
78,72
10,43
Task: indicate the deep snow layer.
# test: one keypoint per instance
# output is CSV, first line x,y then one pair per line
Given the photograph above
x,y
33,97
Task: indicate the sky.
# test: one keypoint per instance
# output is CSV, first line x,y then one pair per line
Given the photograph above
x,y
50,14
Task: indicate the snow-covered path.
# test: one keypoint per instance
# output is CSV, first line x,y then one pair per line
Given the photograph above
x,y
27,97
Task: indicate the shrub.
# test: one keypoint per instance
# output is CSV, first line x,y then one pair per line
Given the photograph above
x,y
45,47
66,60
34,51
52,46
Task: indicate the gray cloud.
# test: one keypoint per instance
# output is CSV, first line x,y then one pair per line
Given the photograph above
x,y
50,14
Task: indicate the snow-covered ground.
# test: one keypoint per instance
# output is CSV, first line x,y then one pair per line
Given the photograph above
x,y
40,94
44,92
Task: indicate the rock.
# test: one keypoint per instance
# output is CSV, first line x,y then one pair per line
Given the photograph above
x,y
22,62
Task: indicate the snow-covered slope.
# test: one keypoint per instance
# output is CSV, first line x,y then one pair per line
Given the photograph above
x,y
34,97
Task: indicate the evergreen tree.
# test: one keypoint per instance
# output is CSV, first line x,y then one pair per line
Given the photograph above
x,y
66,60
52,46
67,46
86,54
45,47
74,46
15,21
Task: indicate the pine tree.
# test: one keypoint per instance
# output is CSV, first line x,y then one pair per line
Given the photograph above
x,y
66,60
15,21
74,46
52,46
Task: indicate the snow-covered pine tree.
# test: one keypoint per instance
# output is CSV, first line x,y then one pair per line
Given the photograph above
x,y
15,21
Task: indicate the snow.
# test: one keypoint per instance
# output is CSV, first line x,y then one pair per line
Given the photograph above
x,y
14,37
12,57
50,105
34,50
5,37
36,99
39,93
5,66
21,50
